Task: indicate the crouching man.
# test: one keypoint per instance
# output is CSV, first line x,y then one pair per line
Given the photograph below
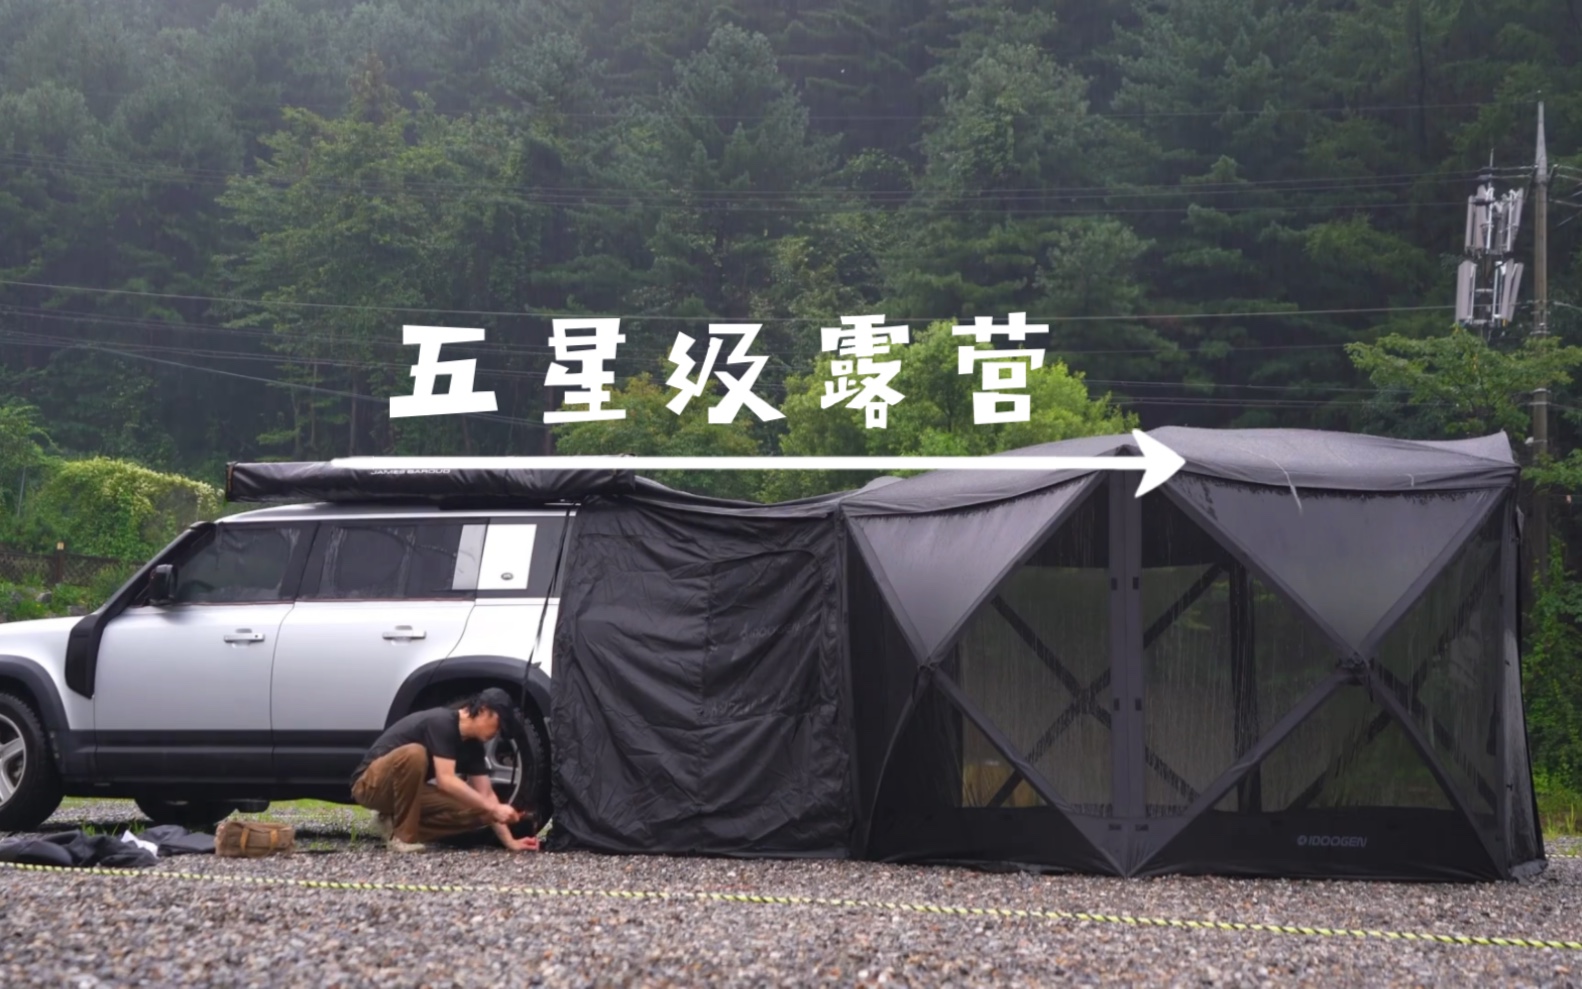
x,y
443,745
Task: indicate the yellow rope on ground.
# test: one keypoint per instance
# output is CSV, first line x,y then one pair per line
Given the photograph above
x,y
817,901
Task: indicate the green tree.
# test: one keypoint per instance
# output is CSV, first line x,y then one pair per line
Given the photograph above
x,y
1459,385
858,63
1552,678
355,223
104,507
582,248
731,140
1091,278
1236,98
22,458
1014,130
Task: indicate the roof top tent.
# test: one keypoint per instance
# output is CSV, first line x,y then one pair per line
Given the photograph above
x,y
436,485
1297,658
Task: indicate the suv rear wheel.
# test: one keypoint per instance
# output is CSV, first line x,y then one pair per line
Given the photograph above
x,y
30,788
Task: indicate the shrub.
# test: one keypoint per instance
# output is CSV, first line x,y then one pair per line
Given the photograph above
x,y
115,508
19,603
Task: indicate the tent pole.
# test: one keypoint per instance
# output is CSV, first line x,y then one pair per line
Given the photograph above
x,y
1182,605
1244,684
1130,788
1085,703
554,582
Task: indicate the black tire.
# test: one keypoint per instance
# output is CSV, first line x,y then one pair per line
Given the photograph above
x,y
30,789
541,806
531,793
194,815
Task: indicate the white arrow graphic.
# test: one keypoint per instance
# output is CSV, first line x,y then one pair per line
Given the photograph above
x,y
1158,463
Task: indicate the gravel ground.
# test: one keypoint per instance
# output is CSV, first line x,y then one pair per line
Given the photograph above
x,y
63,929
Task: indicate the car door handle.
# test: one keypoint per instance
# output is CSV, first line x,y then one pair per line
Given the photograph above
x,y
245,635
403,632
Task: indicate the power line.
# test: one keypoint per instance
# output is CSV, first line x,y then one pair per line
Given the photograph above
x,y
747,202
279,360
1032,318
119,167
635,109
298,386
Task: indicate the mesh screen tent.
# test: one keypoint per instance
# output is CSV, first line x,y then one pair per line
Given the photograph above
x,y
1297,658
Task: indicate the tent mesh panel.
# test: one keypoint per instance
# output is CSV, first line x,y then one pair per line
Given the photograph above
x,y
1224,658
1346,557
1445,660
1526,845
1347,753
1034,660
942,760
940,800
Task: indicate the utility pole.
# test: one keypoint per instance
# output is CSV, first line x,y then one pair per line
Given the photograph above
x,y
1540,553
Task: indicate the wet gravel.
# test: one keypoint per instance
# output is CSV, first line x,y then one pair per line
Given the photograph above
x,y
63,929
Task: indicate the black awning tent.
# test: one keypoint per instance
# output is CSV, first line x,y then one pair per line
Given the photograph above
x,y
434,483
1296,658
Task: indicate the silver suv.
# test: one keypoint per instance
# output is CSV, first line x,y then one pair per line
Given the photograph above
x,y
256,658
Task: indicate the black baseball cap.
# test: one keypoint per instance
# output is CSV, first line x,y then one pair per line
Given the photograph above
x,y
500,703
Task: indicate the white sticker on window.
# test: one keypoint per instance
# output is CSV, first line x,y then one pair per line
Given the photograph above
x,y
469,555
507,555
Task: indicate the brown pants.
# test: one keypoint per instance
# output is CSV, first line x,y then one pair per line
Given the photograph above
x,y
396,785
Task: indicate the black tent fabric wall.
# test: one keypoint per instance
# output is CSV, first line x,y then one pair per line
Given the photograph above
x,y
700,701
1297,658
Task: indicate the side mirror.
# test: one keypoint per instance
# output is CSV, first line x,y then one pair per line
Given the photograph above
x,y
162,584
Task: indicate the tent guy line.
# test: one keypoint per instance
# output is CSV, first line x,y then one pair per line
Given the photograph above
x,y
1158,463
769,899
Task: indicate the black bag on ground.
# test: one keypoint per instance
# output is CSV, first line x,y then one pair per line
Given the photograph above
x,y
76,849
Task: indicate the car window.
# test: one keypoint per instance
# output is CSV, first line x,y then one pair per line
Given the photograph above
x,y
239,565
549,552
395,561
520,557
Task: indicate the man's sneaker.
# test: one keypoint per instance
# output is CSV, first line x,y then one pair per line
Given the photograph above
x,y
397,845
386,825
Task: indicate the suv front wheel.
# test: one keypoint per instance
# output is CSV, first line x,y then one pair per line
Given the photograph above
x,y
30,788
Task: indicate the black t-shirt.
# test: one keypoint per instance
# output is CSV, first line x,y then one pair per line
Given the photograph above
x,y
437,730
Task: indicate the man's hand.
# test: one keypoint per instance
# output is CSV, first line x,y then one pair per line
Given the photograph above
x,y
501,816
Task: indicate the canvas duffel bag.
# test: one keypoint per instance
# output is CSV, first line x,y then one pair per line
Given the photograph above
x,y
253,839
